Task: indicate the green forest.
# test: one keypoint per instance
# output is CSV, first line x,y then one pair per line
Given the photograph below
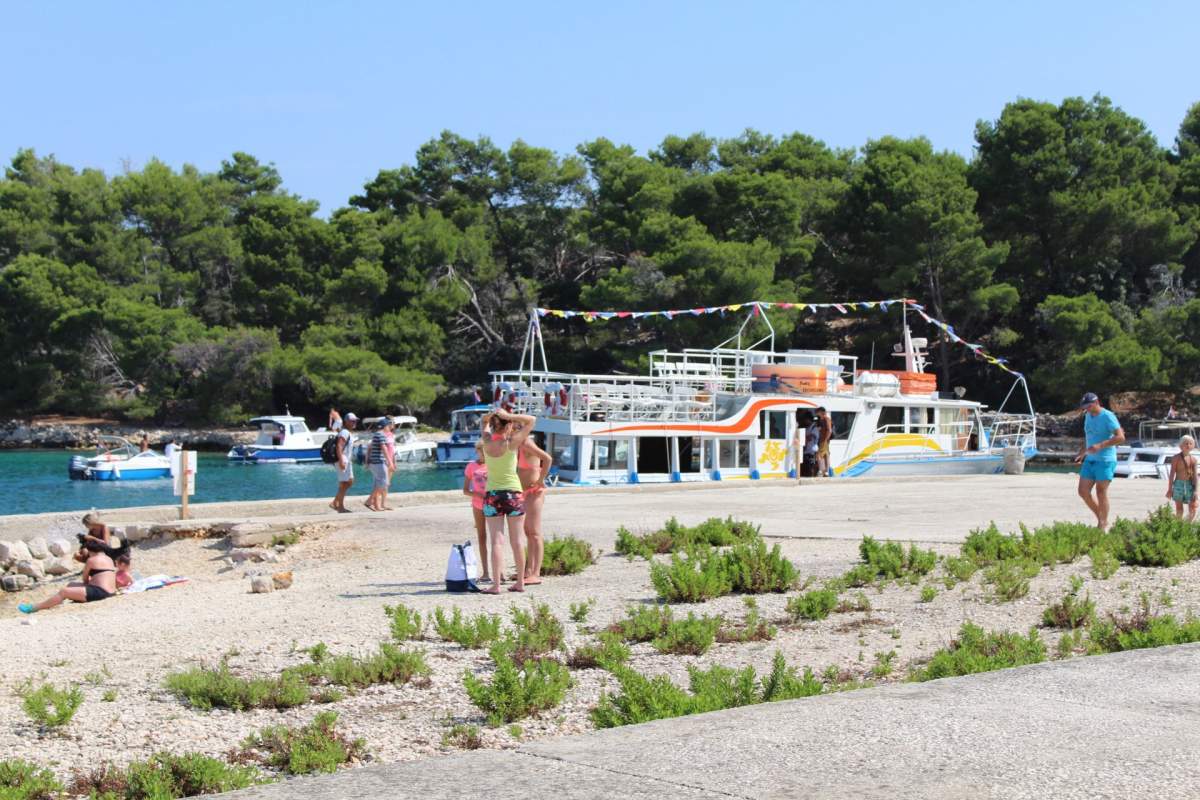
x,y
1067,243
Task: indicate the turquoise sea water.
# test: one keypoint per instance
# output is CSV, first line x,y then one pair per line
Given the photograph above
x,y
35,481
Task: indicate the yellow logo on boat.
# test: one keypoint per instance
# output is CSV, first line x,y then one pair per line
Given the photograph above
x,y
774,453
890,440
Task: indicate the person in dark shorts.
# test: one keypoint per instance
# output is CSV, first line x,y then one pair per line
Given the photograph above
x,y
503,436
99,577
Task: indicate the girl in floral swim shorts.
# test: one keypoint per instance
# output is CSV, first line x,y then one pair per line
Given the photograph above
x,y
503,504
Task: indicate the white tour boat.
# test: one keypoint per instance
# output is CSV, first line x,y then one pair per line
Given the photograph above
x,y
1149,456
409,449
729,413
118,459
281,440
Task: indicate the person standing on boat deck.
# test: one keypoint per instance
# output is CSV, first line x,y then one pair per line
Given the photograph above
x,y
145,442
345,471
533,465
798,437
1098,457
824,433
503,435
1182,484
335,420
812,440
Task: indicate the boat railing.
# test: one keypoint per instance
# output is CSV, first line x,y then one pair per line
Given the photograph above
x,y
615,398
955,438
1010,430
738,365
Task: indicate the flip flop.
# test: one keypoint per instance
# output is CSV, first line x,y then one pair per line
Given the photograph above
x,y
26,608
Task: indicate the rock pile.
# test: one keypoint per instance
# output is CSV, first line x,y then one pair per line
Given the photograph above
x,y
19,433
23,564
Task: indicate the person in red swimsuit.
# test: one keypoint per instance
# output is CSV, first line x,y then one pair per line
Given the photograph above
x,y
533,464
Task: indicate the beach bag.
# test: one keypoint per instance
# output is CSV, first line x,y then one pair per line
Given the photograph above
x,y
329,450
462,569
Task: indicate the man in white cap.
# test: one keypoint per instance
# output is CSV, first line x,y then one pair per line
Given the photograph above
x,y
1097,458
345,470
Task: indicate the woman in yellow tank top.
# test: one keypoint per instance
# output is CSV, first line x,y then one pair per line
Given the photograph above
x,y
503,435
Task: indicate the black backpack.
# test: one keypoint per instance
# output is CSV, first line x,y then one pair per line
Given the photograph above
x,y
329,449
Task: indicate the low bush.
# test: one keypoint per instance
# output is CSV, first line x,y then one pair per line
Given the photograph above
x,y
50,706
960,568
1104,563
701,575
642,623
858,576
1142,629
884,663
890,559
753,569
642,699
535,633
464,737
1162,540
579,611
165,776
1070,612
205,689
315,747
21,780
389,665
567,555
518,692
753,628
608,652
859,603
1059,542
976,650
691,636
814,605
406,623
675,537
1010,578
984,546
479,631
928,594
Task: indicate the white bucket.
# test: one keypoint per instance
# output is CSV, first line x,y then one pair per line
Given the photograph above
x,y
1014,460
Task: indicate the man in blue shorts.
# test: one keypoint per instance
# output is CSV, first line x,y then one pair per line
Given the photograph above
x,y
1098,457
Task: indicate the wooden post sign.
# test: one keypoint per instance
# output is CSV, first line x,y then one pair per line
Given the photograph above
x,y
183,471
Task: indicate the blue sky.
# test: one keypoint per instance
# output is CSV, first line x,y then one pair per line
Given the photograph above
x,y
332,92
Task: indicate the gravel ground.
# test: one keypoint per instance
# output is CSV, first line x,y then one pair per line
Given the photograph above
x,y
345,575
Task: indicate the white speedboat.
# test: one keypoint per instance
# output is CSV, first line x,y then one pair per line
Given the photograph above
x,y
118,459
729,413
465,426
409,449
283,440
1149,456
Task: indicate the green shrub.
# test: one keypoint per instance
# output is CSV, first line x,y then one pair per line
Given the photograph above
x,y
1140,630
464,737
959,567
165,776
1010,578
701,576
752,569
389,665
859,603
858,576
884,663
480,630
406,623
985,546
1059,542
285,539
691,636
109,696
642,699
928,593
675,537
516,693
579,611
51,707
978,651
643,546
206,689
534,634
753,628
567,556
1104,563
21,780
891,560
1162,540
315,747
642,623
1070,612
608,653
814,605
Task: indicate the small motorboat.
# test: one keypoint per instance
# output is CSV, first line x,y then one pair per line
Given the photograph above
x,y
118,459
409,449
466,424
1150,454
281,440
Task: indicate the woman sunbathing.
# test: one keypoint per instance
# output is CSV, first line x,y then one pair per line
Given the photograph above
x,y
99,577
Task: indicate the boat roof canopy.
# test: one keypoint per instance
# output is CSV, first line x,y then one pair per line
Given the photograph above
x,y
477,407
278,419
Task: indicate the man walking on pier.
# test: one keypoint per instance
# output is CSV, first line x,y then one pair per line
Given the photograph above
x,y
1098,456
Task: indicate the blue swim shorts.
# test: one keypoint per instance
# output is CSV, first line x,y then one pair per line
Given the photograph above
x,y
1096,470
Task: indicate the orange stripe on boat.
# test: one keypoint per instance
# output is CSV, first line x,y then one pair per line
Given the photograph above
x,y
735,427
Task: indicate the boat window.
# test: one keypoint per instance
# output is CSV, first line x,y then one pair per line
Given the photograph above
x,y
689,454
735,453
653,454
1150,457
891,419
562,450
843,422
920,419
773,424
297,427
610,454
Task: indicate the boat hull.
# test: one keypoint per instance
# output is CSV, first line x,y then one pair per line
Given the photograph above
x,y
133,474
455,455
270,455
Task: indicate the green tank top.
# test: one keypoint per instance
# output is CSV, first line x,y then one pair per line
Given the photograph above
x,y
502,472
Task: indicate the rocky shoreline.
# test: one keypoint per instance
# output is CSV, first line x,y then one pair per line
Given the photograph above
x,y
67,435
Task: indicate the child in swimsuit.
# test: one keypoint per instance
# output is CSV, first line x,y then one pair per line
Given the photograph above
x,y
475,486
533,464
1182,484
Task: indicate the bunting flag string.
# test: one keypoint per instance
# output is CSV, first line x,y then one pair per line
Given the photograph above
x,y
758,306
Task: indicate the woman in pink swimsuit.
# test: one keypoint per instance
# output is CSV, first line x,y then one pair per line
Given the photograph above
x,y
533,464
